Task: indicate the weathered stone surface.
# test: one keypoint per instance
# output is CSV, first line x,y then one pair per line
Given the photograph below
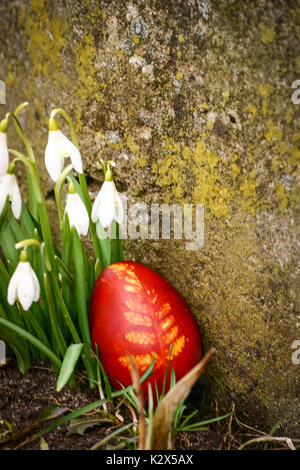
x,y
192,99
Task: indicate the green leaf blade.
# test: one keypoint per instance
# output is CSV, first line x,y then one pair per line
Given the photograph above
x,y
68,365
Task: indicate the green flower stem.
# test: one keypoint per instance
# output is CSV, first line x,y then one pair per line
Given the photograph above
x,y
64,269
29,167
32,320
69,121
65,265
46,231
33,340
20,107
82,181
45,225
57,192
33,207
21,133
28,242
88,204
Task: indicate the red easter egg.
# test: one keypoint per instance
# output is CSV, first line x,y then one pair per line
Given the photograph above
x,y
134,310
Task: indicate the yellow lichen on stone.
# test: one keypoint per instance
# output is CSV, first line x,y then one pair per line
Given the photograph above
x,y
141,162
235,170
210,188
265,90
46,40
225,96
267,35
282,196
248,191
295,153
274,133
265,107
296,137
204,106
283,148
198,168
85,56
133,147
288,116
9,78
252,109
136,39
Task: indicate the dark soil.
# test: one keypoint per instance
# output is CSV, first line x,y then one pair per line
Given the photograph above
x,y
24,397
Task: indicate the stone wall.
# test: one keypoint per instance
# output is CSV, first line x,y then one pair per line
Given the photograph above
x,y
192,99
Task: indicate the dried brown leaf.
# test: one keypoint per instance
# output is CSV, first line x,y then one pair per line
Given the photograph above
x,y
164,413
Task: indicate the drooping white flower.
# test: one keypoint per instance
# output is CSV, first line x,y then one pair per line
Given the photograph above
x,y
4,158
107,205
58,148
77,213
9,188
24,286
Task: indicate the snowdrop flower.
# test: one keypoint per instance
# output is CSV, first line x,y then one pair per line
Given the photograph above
x,y
76,210
107,205
58,148
9,188
24,284
4,159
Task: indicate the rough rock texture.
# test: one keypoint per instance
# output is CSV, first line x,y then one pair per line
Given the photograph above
x,y
192,99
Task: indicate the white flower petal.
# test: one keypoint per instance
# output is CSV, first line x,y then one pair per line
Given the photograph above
x,y
75,156
4,157
107,205
54,154
106,208
95,208
14,193
77,213
106,212
25,285
37,290
119,212
12,288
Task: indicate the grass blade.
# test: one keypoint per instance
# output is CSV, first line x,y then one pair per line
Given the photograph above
x,y
113,434
33,340
80,286
68,365
105,247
